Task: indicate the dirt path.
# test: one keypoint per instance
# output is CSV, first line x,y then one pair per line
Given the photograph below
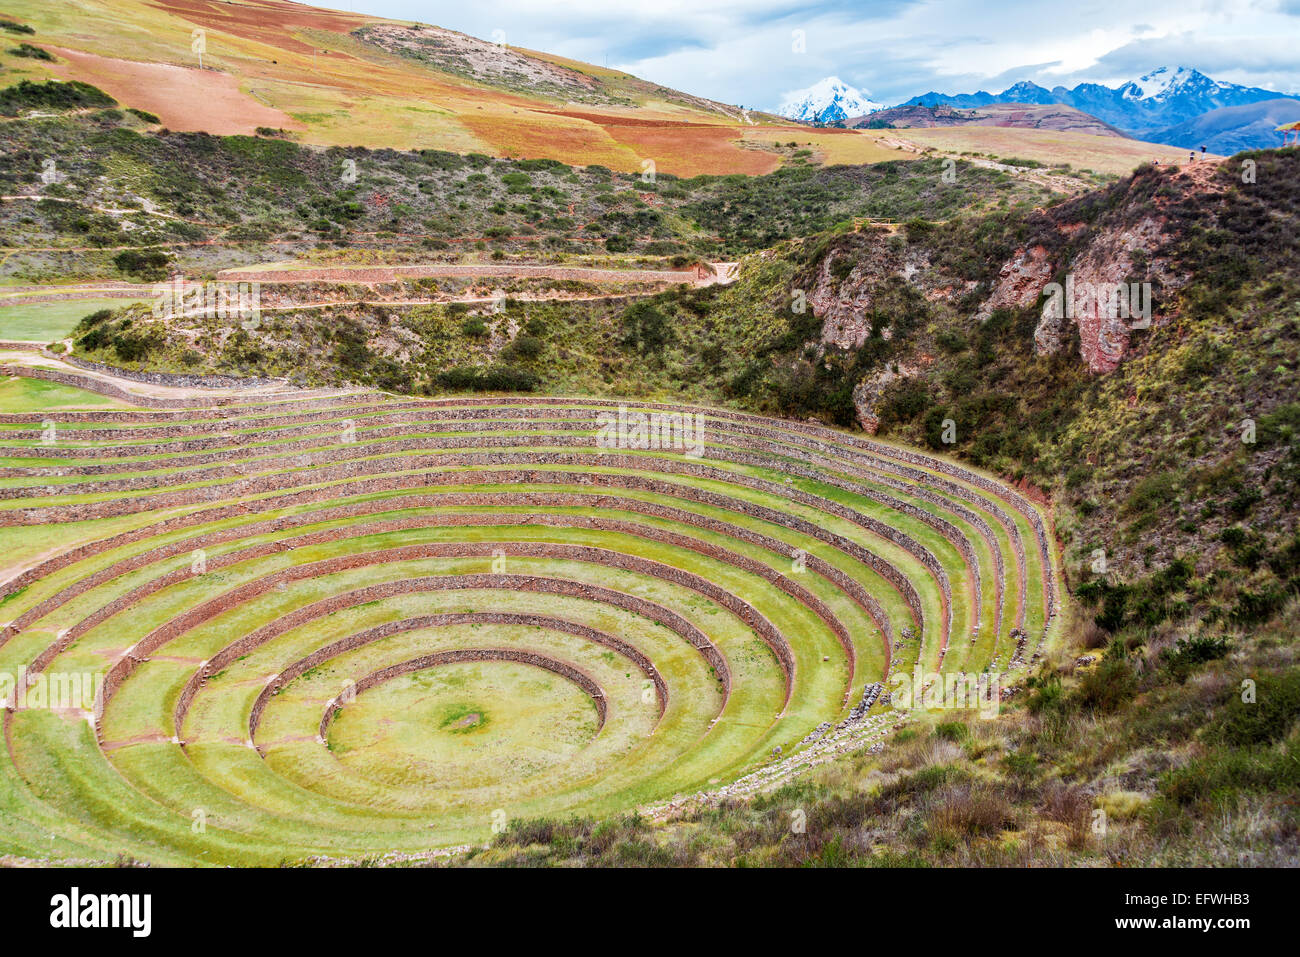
x,y
373,274
74,288
720,272
40,360
10,572
403,303
1054,182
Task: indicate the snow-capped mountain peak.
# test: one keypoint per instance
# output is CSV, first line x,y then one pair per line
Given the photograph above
x,y
827,101
1166,82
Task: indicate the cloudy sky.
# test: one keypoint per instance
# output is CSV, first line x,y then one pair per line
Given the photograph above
x,y
747,51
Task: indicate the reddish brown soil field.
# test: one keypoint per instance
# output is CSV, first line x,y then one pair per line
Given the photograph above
x,y
184,98
270,23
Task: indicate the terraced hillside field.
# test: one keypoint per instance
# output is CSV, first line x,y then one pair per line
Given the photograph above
x,y
342,624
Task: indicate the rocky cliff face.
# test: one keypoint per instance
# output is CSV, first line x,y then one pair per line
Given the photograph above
x,y
1095,271
1101,298
846,289
868,393
1116,276
1021,280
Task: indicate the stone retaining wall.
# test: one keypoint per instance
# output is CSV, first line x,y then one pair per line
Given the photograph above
x,y
564,670
190,619
174,380
226,414
740,421
924,555
87,511
768,443
388,629
887,570
536,499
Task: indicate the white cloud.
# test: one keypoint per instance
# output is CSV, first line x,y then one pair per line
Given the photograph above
x,y
739,51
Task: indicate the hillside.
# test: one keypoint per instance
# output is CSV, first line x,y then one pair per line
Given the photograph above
x,y
1172,476
127,201
905,327
333,78
1009,115
1167,456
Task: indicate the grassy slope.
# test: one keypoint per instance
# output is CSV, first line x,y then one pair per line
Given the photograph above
x,y
48,321
262,199
1145,760
33,395
331,87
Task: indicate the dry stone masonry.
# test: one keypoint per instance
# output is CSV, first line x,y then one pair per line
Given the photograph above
x,y
240,565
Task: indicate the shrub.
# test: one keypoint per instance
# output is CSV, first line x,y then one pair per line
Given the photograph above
x,y
1266,719
149,265
951,341
94,319
1256,606
32,52
1280,426
951,731
493,379
1048,695
645,328
525,347
1190,652
971,812
134,346
904,400
51,95
1110,685
1152,492
1066,803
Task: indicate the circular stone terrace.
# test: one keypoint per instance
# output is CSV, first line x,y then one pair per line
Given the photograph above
x,y
333,625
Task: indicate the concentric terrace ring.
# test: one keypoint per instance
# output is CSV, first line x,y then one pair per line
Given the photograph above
x,y
347,624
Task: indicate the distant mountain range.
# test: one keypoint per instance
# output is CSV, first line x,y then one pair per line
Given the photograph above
x,y
1176,106
1165,106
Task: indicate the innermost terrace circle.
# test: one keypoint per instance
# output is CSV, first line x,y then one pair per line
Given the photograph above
x,y
464,725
